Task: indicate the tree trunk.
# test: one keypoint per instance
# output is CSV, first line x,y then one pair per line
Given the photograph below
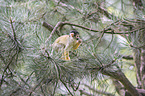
x,y
137,59
119,75
142,71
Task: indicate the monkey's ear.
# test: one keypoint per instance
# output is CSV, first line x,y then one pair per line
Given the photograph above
x,y
72,34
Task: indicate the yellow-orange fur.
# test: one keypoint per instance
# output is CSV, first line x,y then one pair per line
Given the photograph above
x,y
64,44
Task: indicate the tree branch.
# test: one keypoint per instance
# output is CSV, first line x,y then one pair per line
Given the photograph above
x,y
128,57
55,28
7,66
50,27
57,68
107,30
13,30
99,91
68,6
119,75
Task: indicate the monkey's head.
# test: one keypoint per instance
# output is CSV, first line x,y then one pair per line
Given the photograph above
x,y
74,34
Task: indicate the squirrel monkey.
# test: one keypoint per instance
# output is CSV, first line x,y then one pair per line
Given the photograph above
x,y
67,42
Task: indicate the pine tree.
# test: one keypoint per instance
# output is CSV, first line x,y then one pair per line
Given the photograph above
x,y
110,61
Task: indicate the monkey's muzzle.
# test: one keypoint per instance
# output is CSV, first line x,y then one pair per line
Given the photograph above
x,y
77,38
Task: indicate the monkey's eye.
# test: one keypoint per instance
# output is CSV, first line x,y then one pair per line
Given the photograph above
x,y
77,36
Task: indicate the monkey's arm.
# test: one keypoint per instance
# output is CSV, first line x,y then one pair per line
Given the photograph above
x,y
75,46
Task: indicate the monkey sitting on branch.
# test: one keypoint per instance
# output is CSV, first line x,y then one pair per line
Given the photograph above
x,y
65,43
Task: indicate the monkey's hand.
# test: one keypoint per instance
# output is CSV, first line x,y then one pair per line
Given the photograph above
x,y
79,41
75,46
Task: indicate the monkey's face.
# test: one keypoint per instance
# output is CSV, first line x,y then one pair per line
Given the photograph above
x,y
77,37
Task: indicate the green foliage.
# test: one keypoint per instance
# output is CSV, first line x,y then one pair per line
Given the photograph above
x,y
26,65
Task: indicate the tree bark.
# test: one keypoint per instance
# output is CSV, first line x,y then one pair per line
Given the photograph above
x,y
137,60
138,4
119,75
142,71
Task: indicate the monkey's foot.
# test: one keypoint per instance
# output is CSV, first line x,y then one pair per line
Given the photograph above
x,y
66,59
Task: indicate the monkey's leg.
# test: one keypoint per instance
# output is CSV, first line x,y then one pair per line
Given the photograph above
x,y
63,56
67,55
62,52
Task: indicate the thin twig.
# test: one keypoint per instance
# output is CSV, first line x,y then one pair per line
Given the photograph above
x,y
39,84
50,27
99,91
2,78
99,39
59,76
109,43
13,30
55,28
106,30
56,83
57,68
